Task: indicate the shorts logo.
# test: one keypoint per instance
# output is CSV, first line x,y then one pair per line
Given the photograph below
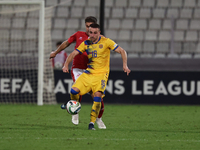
x,y
103,83
101,46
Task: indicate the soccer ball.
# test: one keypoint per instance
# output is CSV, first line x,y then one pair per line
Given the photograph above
x,y
73,107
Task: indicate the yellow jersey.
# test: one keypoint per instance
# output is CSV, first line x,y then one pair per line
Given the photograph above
x,y
98,54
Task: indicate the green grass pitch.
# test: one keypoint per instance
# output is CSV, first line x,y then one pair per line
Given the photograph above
x,y
140,127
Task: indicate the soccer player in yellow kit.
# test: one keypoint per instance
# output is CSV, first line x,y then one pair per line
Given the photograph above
x,y
96,75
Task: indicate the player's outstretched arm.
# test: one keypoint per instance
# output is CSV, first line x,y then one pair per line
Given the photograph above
x,y
124,58
64,45
69,60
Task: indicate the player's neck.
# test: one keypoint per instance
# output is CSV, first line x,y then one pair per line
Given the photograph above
x,y
96,40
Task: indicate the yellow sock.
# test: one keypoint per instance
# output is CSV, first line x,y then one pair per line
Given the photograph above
x,y
74,97
95,111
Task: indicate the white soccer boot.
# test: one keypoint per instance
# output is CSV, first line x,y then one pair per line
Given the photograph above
x,y
100,123
75,119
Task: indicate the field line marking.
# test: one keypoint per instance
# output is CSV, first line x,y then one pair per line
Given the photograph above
x,y
106,139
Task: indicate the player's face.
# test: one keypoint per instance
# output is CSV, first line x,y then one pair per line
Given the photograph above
x,y
87,25
94,34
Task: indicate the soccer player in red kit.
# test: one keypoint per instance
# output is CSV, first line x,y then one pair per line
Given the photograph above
x,y
80,64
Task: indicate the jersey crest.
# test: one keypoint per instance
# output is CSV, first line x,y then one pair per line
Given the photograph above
x,y
101,46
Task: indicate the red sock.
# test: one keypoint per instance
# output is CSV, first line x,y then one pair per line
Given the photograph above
x,y
102,109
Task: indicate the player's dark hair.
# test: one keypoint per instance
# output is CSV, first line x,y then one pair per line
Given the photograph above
x,y
58,43
91,19
95,25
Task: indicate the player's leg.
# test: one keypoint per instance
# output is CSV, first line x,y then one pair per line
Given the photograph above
x,y
95,109
81,83
99,85
75,73
74,93
99,120
75,96
102,109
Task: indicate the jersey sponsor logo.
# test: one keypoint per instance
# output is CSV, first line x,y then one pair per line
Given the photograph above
x,y
101,46
80,38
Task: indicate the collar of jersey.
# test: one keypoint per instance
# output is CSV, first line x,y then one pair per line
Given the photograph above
x,y
97,41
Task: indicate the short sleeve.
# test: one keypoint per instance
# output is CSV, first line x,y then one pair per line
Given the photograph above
x,y
112,45
72,38
81,48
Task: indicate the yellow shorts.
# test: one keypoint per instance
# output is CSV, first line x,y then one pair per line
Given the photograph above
x,y
90,82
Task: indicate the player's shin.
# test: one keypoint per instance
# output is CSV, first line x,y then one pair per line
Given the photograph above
x,y
74,95
102,109
95,109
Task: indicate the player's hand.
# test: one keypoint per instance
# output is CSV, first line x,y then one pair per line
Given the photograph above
x,y
65,69
127,70
52,55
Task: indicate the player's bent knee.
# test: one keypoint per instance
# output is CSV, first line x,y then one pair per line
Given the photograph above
x,y
98,94
73,92
97,99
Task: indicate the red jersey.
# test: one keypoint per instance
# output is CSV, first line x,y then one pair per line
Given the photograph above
x,y
80,61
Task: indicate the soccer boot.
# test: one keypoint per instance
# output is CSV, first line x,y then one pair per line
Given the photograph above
x,y
91,126
63,106
75,119
100,123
